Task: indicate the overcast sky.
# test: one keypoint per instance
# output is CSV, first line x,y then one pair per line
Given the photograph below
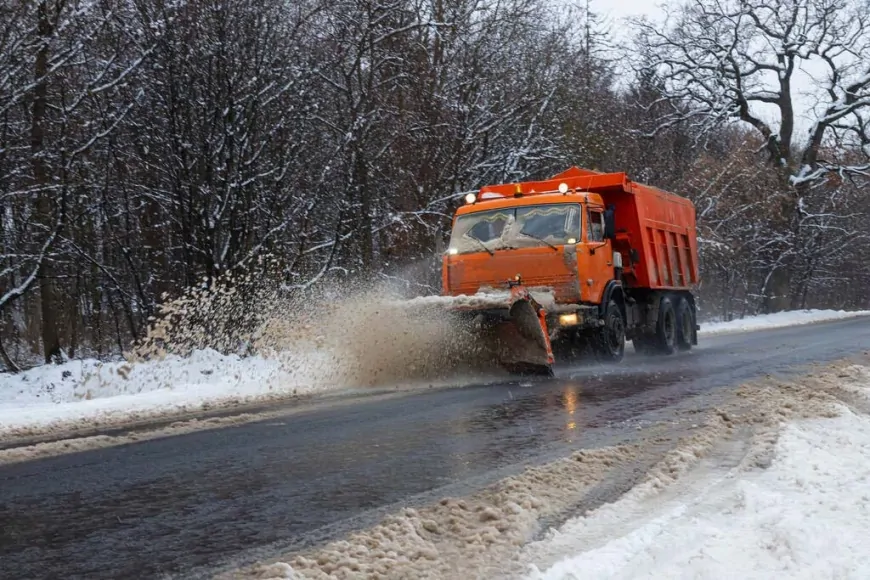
x,y
617,10
620,8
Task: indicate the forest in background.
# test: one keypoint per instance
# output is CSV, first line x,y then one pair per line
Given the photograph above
x,y
147,146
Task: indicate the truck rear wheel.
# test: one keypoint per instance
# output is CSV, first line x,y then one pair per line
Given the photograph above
x,y
609,342
685,325
666,327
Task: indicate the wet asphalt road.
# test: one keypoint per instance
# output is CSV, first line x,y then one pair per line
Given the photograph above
x,y
182,505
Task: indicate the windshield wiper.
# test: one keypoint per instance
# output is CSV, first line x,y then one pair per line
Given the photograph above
x,y
482,245
542,240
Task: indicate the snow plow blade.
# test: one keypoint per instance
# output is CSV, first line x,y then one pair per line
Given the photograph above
x,y
511,331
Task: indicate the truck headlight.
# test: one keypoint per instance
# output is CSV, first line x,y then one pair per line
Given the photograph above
x,y
568,319
452,251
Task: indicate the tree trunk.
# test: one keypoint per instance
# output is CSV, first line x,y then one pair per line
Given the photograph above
x,y
364,229
778,288
7,360
47,293
776,291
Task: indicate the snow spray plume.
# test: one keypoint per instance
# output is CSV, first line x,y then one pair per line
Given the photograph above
x,y
222,315
373,336
359,333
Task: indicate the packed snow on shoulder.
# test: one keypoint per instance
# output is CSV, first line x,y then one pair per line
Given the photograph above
x,y
89,392
778,320
807,515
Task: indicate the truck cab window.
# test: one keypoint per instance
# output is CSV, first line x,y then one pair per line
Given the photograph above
x,y
573,223
520,227
489,229
596,226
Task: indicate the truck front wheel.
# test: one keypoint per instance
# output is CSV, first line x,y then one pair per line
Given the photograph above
x,y
610,338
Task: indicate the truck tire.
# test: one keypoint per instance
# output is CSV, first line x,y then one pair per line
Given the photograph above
x,y
685,325
666,327
609,341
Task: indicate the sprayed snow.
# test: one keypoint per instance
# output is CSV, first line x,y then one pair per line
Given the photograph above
x,y
778,320
805,516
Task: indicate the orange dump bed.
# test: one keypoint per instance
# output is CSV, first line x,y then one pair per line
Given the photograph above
x,y
655,231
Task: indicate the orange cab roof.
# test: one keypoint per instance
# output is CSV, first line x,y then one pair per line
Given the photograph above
x,y
575,178
502,202
579,181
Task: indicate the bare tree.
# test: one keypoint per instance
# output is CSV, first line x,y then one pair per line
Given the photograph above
x,y
725,61
59,98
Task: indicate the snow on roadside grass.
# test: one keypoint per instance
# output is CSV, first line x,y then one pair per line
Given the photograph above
x,y
90,393
807,515
778,320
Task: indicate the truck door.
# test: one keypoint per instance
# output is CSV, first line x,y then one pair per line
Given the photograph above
x,y
598,268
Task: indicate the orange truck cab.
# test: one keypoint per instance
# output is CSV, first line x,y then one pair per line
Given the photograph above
x,y
603,258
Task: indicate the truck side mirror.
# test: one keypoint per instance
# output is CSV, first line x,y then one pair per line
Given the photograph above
x,y
609,225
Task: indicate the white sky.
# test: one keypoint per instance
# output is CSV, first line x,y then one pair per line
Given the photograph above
x,y
621,8
806,89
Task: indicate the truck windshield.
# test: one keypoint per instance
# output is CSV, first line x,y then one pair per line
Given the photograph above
x,y
516,227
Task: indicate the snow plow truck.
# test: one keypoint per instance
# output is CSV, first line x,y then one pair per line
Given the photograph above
x,y
574,265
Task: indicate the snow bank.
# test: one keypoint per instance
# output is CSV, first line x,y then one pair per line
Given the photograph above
x,y
457,537
778,320
805,516
89,392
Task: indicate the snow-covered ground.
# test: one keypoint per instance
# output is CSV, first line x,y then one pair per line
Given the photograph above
x,y
807,515
778,320
89,392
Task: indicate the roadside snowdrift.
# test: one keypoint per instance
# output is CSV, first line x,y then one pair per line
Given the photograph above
x,y
91,393
806,515
778,320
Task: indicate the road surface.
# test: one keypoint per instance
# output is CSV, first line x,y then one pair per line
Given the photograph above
x,y
183,506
